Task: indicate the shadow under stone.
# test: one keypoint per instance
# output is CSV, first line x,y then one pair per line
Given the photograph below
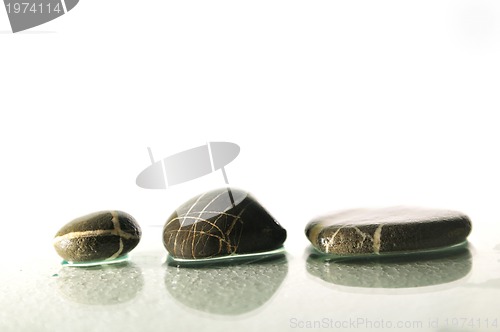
x,y
227,288
100,285
395,271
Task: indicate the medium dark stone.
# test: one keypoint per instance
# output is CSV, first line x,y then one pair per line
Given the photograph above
x,y
98,236
396,229
220,223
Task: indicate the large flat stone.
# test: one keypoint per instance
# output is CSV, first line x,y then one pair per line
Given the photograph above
x,y
388,230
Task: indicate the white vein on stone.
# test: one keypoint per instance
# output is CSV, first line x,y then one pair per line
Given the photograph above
x,y
377,239
117,228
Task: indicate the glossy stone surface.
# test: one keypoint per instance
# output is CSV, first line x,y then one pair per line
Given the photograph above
x,y
220,223
104,235
389,230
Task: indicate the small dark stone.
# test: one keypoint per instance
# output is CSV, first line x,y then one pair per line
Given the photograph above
x,y
220,223
396,229
98,236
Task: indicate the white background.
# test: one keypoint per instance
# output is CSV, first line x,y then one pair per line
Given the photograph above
x,y
334,104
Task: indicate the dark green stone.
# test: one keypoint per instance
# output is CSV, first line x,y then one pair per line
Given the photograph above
x,y
98,236
220,223
389,230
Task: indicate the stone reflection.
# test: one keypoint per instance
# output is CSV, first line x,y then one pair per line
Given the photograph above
x,y
102,284
399,271
227,288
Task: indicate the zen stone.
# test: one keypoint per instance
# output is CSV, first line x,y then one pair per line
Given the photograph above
x,y
104,235
389,230
221,223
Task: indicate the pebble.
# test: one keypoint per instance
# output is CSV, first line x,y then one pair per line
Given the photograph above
x,y
389,230
99,236
220,223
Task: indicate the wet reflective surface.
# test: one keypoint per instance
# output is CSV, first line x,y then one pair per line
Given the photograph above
x,y
397,271
295,290
104,284
231,288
